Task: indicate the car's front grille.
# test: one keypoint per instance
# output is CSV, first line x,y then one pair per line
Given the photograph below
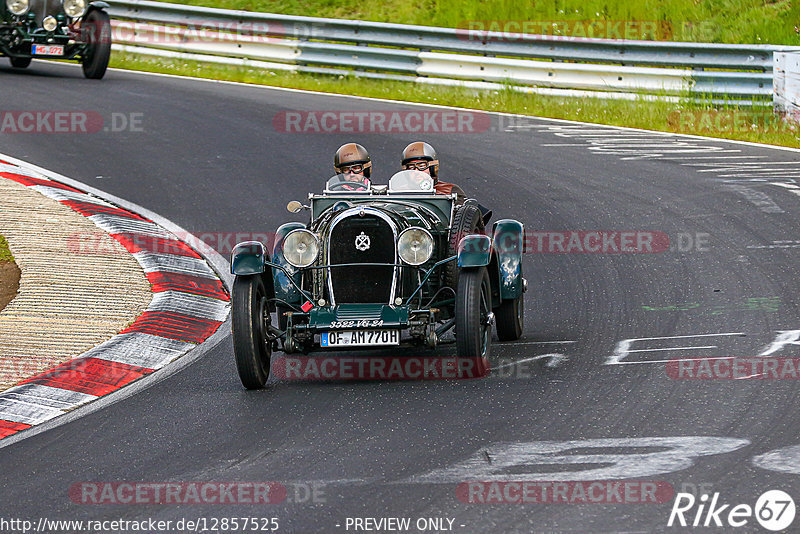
x,y
43,8
363,312
362,239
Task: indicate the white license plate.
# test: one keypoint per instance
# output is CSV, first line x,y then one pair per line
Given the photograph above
x,y
48,50
360,338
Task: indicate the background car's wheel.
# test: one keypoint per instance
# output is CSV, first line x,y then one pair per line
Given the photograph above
x,y
510,319
467,220
97,32
473,306
250,322
20,62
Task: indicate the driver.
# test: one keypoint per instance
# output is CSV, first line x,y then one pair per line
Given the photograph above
x,y
421,156
352,160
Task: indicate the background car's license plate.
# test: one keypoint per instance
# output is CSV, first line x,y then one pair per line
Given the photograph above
x,y
360,338
48,50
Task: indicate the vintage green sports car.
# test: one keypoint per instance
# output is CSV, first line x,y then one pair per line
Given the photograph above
x,y
377,266
56,29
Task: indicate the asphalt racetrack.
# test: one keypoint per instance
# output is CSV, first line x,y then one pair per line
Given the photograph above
x,y
586,395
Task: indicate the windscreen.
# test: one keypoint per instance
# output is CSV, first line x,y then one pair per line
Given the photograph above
x,y
411,181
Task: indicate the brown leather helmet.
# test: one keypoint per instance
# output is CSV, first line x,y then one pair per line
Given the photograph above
x,y
352,154
420,150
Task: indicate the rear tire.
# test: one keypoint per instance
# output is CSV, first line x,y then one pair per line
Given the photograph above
x,y
510,319
251,319
20,62
97,32
473,306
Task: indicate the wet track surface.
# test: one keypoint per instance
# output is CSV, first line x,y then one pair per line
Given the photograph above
x,y
210,159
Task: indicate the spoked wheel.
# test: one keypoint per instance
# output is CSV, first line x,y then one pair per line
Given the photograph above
x,y
20,62
251,320
97,32
474,316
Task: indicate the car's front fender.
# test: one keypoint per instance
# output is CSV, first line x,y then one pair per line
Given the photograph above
x,y
509,241
248,257
284,289
474,251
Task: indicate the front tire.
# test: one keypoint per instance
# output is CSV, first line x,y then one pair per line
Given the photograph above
x,y
467,220
97,32
473,308
251,319
20,62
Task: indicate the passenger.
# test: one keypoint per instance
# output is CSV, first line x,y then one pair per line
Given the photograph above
x,y
421,156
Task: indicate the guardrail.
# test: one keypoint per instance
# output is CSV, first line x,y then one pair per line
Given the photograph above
x,y
786,84
582,67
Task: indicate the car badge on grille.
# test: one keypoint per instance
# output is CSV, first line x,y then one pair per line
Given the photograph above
x,y
362,242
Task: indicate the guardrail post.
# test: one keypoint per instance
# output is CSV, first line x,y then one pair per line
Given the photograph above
x,y
786,84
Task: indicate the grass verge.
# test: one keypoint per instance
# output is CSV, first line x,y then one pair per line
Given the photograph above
x,y
9,274
726,122
708,21
5,252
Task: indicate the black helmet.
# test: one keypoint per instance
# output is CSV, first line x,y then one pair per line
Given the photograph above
x,y
350,154
421,150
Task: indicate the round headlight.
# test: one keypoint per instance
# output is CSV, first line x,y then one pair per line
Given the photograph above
x,y
74,8
415,246
49,23
300,248
18,7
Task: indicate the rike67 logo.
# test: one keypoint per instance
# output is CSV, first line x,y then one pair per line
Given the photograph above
x,y
774,510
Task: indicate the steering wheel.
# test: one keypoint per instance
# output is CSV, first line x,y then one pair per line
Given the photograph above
x,y
347,186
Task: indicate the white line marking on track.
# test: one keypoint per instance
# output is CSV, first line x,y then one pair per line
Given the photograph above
x,y
674,348
676,360
534,343
554,360
623,348
716,157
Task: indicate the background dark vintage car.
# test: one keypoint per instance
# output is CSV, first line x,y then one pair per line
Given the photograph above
x,y
59,29
377,266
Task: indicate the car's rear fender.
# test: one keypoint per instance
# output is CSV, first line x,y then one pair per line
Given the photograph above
x,y
508,248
